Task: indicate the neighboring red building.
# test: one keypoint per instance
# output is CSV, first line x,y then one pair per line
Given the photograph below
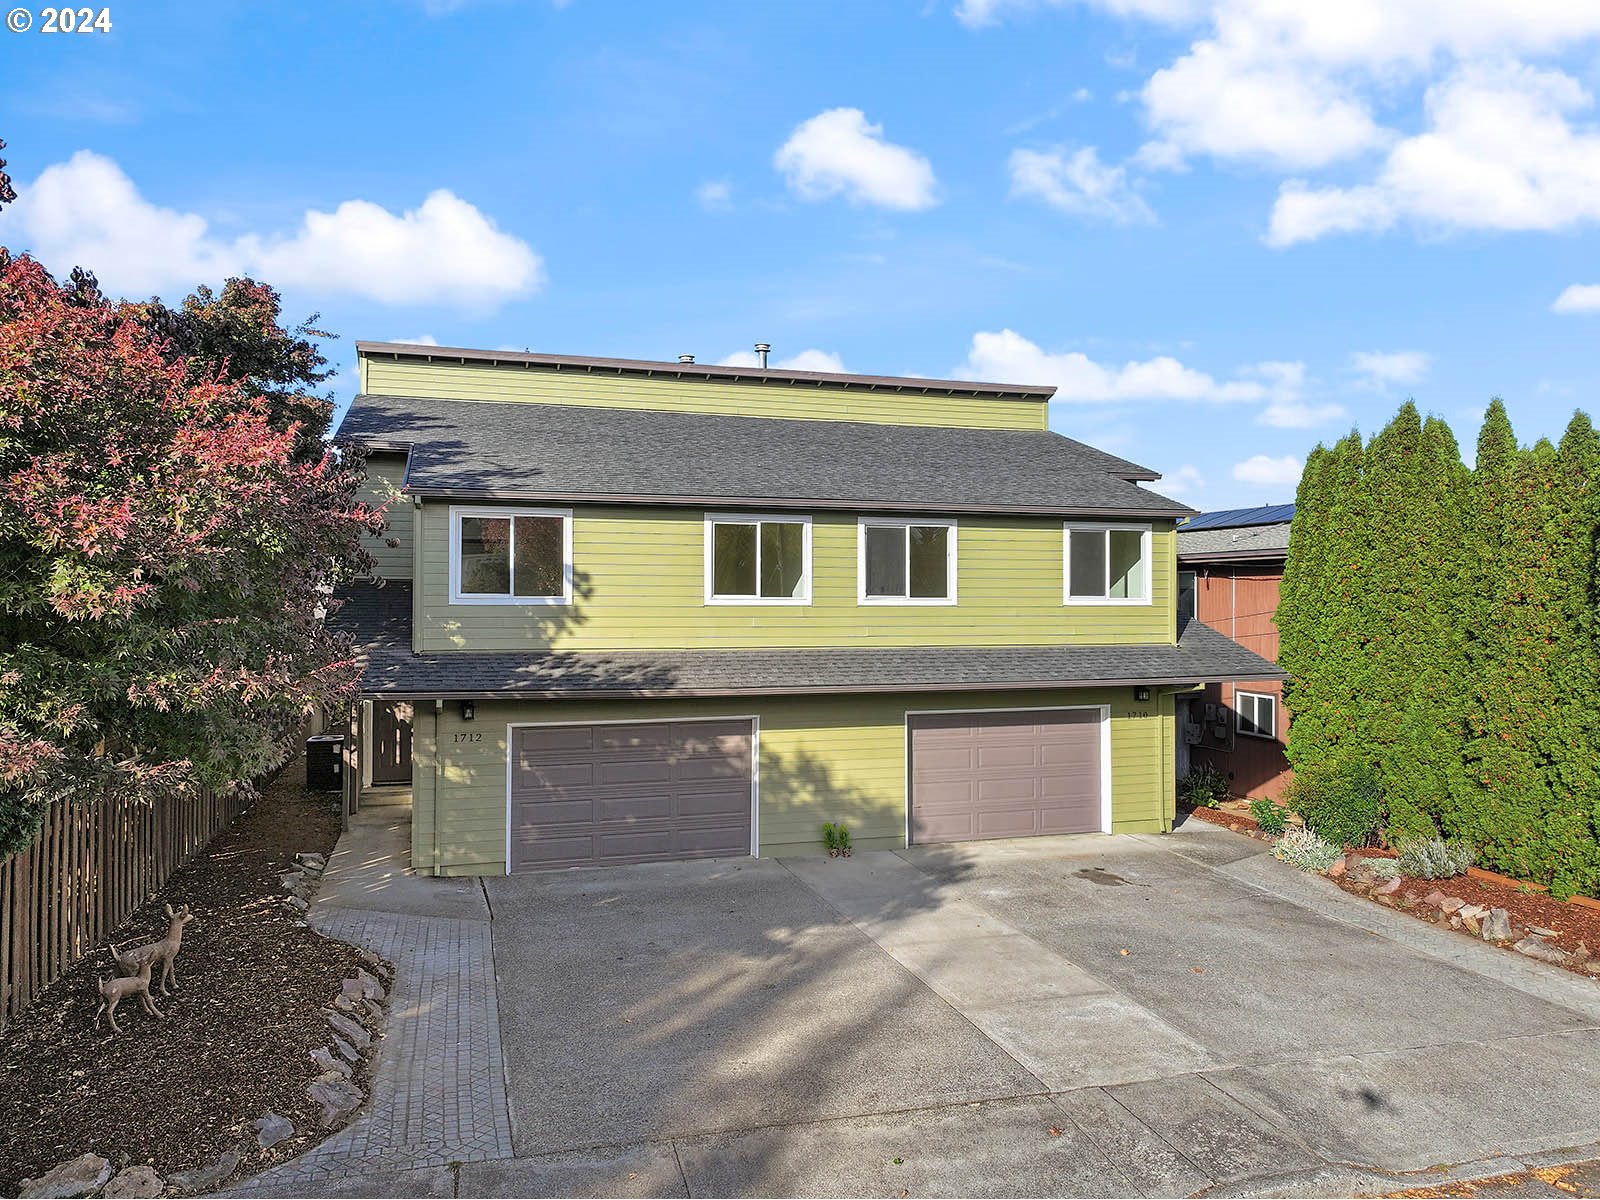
x,y
1229,567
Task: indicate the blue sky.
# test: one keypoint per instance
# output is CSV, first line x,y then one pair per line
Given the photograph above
x,y
1226,229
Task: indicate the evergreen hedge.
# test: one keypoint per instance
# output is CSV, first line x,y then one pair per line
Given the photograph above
x,y
1439,626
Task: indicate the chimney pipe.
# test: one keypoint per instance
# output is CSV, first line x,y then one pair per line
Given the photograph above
x,y
761,353
686,358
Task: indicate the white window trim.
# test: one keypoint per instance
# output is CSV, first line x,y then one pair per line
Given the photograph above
x,y
1238,714
1194,593
457,512
865,523
1107,526
713,519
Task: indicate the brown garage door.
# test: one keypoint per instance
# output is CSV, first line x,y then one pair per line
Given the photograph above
x,y
1001,775
604,795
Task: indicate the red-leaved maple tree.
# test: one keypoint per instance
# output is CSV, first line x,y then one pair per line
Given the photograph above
x,y
170,528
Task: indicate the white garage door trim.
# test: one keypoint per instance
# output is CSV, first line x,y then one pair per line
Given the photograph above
x,y
755,761
1105,749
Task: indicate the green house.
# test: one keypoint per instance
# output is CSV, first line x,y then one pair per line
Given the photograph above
x,y
632,611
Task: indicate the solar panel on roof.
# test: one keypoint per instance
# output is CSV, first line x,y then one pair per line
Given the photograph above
x,y
1238,518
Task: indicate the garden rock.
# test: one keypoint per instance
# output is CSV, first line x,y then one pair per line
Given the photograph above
x,y
1472,912
373,1009
298,903
337,1095
370,987
212,1173
1388,888
1534,948
1470,924
271,1129
1337,868
1497,926
343,1003
1452,904
137,1182
350,1030
346,1050
79,1176
311,860
1580,952
1539,931
1434,898
324,1058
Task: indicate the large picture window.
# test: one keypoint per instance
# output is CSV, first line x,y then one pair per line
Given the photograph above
x,y
510,556
1107,564
758,560
906,562
1257,713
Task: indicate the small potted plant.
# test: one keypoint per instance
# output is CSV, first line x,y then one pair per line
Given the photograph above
x,y
836,837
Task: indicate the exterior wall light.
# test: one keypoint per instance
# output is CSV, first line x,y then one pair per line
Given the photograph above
x,y
467,712
1141,694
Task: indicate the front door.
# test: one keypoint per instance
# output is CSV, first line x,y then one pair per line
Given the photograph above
x,y
391,742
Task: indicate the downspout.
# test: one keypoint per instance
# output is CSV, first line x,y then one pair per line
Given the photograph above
x,y
438,781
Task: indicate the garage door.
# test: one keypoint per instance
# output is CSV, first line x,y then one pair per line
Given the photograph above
x,y
605,795
1001,775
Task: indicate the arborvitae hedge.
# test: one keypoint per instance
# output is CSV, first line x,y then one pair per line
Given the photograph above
x,y
1440,629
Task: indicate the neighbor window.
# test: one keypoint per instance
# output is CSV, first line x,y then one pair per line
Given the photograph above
x,y
1186,593
907,562
510,556
1257,713
1108,564
765,560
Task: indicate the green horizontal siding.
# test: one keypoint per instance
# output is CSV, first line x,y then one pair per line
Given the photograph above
x,y
385,473
820,759
481,381
640,585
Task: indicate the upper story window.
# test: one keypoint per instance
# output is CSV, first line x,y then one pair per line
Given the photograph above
x,y
1257,713
510,556
1107,564
906,562
758,560
1187,585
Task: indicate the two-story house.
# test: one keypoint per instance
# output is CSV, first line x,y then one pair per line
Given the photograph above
x,y
1230,566
643,611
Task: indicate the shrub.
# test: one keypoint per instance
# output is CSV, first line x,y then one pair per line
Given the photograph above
x,y
1203,787
1302,848
1384,868
1436,858
836,838
1269,816
1343,804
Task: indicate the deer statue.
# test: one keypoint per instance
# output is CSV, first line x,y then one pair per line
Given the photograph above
x,y
114,991
165,952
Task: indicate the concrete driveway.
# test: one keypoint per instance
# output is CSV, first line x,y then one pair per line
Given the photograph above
x,y
1076,1016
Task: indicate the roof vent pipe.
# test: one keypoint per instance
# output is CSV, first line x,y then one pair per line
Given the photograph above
x,y
761,353
686,358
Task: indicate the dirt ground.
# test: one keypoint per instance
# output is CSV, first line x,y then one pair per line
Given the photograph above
x,y
236,1040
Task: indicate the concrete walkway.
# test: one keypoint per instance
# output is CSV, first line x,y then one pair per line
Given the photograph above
x,y
1076,1016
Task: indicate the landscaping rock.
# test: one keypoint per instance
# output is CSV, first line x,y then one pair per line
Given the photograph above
x,y
1388,888
1407,901
298,903
337,1095
1434,898
350,1030
373,1009
1337,868
1451,903
1470,924
79,1176
346,1050
370,987
343,1003
324,1058
137,1182
1534,948
271,1129
1496,926
1473,911
202,1178
311,860
1580,952
1539,931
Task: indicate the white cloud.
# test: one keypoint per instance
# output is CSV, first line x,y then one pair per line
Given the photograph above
x,y
715,195
1500,151
1077,183
806,360
422,339
1267,471
1578,298
1186,480
86,211
1379,369
838,152
1008,357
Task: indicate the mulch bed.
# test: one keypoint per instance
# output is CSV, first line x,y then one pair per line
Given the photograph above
x,y
177,1093
1575,927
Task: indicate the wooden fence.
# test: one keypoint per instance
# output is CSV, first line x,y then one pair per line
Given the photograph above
x,y
88,871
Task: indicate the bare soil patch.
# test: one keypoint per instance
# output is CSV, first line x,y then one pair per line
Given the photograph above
x,y
237,1039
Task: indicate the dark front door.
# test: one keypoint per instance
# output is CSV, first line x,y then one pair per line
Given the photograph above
x,y
391,742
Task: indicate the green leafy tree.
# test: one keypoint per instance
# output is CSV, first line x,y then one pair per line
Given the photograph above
x,y
167,541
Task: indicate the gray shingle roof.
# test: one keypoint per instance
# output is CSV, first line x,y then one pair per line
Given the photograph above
x,y
1201,655
1259,541
546,452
